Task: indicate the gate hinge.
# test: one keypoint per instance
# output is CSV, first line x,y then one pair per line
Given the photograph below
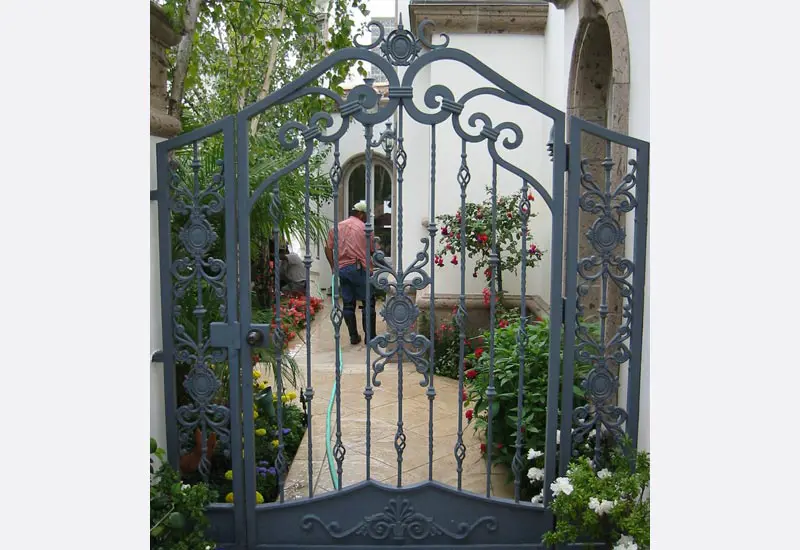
x,y
158,356
566,157
154,194
225,335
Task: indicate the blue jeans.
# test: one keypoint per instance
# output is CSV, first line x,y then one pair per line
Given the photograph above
x,y
353,284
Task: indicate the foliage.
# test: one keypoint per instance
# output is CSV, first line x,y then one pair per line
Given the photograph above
x,y
506,369
478,232
609,505
177,519
265,413
446,345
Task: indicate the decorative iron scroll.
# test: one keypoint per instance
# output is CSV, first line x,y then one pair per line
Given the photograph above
x,y
401,47
398,520
195,270
605,355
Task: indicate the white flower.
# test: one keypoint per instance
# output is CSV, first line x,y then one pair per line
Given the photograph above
x,y
536,474
532,453
592,434
561,485
600,507
538,498
626,543
185,486
604,473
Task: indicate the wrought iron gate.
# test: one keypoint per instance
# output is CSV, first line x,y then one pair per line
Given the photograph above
x,y
204,194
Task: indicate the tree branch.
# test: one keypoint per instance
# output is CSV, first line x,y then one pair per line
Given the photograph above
x,y
183,56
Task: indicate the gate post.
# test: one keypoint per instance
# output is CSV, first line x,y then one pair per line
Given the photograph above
x,y
162,126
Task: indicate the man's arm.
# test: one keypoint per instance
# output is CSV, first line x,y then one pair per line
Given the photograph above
x,y
329,249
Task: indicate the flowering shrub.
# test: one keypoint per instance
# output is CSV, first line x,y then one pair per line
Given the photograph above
x,y
478,227
506,380
446,346
177,519
608,505
265,403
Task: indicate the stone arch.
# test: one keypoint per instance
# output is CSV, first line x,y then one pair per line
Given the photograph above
x,y
599,91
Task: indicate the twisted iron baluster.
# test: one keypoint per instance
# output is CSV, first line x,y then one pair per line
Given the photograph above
x,y
400,162
431,392
368,229
309,393
460,450
336,313
524,213
490,390
280,460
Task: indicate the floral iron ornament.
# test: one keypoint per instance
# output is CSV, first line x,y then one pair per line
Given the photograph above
x,y
401,47
399,520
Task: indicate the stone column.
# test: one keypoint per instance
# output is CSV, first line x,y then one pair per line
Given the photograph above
x,y
162,126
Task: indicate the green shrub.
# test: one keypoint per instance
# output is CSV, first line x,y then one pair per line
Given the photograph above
x,y
177,510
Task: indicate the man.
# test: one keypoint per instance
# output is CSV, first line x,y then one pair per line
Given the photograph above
x,y
293,272
352,272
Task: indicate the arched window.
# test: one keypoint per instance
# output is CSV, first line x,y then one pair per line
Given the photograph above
x,y
382,195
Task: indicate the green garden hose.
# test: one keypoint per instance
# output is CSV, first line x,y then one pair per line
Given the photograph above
x,y
328,450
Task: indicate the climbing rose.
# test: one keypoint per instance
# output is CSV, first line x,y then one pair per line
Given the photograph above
x,y
483,447
463,395
503,323
478,353
471,373
468,414
454,261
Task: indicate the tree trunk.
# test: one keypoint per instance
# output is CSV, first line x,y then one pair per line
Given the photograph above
x,y
273,54
182,57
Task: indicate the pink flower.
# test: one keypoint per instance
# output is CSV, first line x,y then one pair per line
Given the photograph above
x,y
454,261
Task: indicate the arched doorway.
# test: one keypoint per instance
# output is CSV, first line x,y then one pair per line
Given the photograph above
x,y
598,92
355,179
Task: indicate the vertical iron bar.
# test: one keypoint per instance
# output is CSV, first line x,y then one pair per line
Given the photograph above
x,y
367,279
431,392
245,318
490,390
234,405
556,304
167,322
570,317
637,309
338,450
525,206
280,461
400,163
463,180
309,387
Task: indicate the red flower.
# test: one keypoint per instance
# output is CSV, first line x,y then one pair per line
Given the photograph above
x,y
483,238
463,395
478,353
471,374
499,445
444,231
530,196
483,447
475,274
509,215
503,323
448,246
479,214
454,261
486,296
468,414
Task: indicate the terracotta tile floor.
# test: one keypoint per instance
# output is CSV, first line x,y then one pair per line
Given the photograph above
x,y
384,415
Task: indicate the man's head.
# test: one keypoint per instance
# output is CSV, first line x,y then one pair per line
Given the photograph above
x,y
360,210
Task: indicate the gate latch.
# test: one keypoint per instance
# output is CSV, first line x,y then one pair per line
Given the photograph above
x,y
228,335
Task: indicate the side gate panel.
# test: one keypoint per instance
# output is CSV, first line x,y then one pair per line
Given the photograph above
x,y
197,245
605,269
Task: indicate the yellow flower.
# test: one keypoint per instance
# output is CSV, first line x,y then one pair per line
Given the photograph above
x,y
256,374
292,396
262,385
259,498
229,497
255,413
284,398
274,397
274,442
229,475
261,431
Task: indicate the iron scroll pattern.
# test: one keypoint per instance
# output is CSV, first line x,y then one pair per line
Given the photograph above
x,y
195,270
399,520
605,355
401,47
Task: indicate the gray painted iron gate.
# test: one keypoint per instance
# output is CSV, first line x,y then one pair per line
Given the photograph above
x,y
208,201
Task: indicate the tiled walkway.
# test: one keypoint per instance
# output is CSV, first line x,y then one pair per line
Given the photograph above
x,y
384,415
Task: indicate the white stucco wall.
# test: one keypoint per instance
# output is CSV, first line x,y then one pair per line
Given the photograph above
x,y
158,429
